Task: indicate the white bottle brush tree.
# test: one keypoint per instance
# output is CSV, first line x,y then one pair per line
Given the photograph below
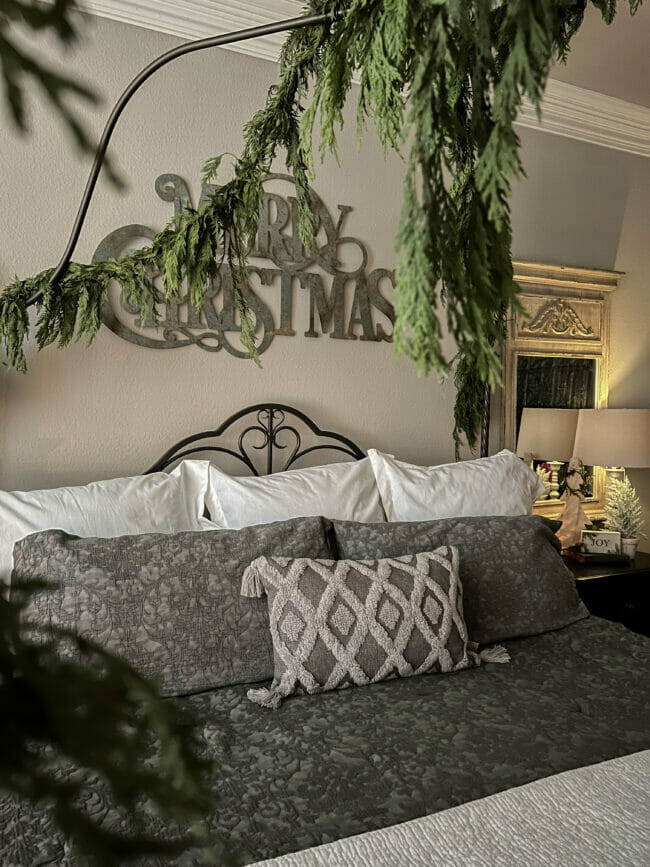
x,y
623,509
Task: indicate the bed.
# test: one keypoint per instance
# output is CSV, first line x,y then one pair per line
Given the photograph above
x,y
329,766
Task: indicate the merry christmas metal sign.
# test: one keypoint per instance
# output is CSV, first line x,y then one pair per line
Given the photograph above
x,y
345,301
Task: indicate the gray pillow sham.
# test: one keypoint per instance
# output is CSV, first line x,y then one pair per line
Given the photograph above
x,y
170,605
346,622
514,581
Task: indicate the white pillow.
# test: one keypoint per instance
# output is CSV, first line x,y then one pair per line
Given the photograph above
x,y
157,503
346,491
499,485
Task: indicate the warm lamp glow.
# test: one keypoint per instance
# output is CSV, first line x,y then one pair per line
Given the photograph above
x,y
613,437
547,434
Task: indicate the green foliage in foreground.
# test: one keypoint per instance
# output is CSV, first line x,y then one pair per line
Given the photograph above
x,y
446,77
442,80
83,722
19,66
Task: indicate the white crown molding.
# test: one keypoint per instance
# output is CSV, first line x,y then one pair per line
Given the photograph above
x,y
195,19
568,111
585,115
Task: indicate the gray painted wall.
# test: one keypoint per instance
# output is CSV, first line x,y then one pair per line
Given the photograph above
x,y
611,59
85,413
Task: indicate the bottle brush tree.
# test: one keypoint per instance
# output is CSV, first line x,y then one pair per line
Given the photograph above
x,y
623,509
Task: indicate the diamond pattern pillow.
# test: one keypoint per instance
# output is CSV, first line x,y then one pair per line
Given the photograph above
x,y
346,622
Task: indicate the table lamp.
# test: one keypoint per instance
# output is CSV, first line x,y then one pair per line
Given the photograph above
x,y
616,439
613,438
548,435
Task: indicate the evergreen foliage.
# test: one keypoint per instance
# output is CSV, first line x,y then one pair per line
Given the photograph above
x,y
442,79
18,67
623,509
76,720
469,404
470,395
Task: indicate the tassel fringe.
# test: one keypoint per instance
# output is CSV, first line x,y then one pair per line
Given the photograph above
x,y
495,654
265,698
251,584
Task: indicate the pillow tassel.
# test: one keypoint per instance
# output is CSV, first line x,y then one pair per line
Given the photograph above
x,y
251,583
496,654
265,697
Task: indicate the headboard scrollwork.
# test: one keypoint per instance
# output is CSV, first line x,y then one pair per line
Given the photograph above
x,y
279,434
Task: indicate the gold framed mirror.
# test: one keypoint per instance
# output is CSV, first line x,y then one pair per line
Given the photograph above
x,y
556,355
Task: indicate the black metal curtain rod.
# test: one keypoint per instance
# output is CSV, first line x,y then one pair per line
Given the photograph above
x,y
147,72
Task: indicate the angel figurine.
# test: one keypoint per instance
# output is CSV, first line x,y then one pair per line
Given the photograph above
x,y
545,474
574,519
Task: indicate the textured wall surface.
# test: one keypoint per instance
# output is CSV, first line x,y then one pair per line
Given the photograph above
x,y
611,59
85,413
629,380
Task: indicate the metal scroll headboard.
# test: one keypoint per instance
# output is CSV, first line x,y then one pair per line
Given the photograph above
x,y
271,429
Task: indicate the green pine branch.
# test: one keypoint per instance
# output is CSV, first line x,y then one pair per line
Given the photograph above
x,y
441,80
76,720
21,67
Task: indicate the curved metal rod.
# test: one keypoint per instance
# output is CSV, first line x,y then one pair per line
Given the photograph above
x,y
147,72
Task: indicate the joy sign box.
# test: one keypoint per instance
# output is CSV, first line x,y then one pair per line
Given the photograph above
x,y
601,542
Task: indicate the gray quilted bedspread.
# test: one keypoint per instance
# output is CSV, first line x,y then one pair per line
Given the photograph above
x,y
598,815
328,766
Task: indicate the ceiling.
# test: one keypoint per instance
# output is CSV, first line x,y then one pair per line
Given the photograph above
x,y
601,96
613,59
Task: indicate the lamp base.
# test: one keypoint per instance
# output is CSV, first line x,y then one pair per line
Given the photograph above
x,y
554,493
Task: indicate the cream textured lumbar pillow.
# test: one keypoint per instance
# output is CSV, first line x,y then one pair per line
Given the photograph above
x,y
498,485
347,622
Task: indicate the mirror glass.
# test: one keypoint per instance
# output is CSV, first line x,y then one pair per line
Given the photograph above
x,y
556,382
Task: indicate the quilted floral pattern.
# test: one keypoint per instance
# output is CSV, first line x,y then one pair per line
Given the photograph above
x,y
169,604
514,580
335,764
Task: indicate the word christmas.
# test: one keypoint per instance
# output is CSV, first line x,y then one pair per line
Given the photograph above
x,y
341,301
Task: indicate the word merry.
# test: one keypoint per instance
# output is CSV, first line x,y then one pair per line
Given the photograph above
x,y
318,273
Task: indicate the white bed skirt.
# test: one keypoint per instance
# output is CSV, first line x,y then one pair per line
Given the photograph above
x,y
598,815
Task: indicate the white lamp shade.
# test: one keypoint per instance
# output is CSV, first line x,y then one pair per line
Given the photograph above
x,y
613,437
547,434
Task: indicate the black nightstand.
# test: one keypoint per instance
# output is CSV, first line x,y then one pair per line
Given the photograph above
x,y
616,592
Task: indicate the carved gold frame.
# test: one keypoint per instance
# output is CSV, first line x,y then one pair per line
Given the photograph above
x,y
566,313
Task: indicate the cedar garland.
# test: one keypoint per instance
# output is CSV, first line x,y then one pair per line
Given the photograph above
x,y
446,76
